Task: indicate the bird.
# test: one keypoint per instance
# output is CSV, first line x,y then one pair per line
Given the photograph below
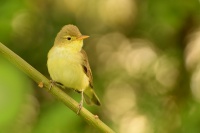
x,y
68,64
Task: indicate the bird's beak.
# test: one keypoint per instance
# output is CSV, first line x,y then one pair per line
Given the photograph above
x,y
82,37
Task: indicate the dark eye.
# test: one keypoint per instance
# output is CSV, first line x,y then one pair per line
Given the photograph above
x,y
69,38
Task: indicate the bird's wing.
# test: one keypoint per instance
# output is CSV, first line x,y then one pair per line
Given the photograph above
x,y
86,67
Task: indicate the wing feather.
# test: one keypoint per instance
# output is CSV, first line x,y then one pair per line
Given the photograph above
x,y
86,67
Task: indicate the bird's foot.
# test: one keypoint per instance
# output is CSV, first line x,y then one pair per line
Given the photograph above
x,y
52,83
58,84
80,104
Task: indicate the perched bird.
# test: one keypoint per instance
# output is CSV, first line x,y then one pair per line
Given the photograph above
x,y
68,64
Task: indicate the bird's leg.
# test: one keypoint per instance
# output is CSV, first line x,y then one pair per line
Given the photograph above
x,y
60,85
55,83
81,103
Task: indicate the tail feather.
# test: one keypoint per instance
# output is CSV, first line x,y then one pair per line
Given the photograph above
x,y
90,97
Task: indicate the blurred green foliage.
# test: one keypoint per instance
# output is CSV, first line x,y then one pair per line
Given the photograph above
x,y
144,57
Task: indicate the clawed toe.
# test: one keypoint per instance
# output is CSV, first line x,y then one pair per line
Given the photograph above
x,y
79,107
52,83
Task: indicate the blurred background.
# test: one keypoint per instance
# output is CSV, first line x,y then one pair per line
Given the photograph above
x,y
144,55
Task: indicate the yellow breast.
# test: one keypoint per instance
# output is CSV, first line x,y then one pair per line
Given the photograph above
x,y
64,66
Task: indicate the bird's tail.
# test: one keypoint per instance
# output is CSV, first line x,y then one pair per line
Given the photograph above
x,y
90,97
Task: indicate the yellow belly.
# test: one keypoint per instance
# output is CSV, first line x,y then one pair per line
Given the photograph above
x,y
65,67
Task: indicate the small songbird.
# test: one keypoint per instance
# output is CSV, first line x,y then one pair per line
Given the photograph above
x,y
68,64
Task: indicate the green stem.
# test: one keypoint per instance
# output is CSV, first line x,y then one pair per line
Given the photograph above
x,y
58,93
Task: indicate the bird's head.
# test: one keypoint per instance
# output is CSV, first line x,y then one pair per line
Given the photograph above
x,y
70,36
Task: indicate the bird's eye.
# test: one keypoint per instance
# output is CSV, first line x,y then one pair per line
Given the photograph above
x,y
69,38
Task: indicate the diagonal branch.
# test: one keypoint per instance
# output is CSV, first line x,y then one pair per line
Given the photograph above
x,y
58,93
